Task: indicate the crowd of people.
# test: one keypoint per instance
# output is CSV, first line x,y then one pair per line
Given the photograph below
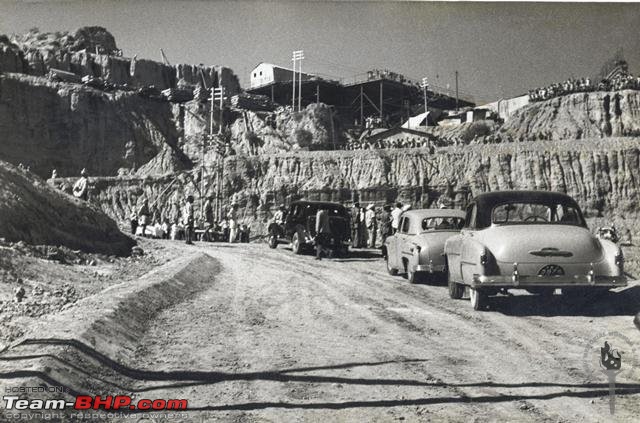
x,y
371,225
570,86
178,222
403,142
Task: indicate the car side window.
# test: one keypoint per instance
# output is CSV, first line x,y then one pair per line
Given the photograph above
x,y
470,218
405,225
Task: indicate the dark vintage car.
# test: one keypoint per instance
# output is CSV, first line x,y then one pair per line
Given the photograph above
x,y
532,240
299,229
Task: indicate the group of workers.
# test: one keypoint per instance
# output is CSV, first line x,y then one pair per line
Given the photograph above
x,y
179,222
403,142
571,86
374,223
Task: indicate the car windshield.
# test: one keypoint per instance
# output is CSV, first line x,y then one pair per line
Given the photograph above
x,y
536,213
442,222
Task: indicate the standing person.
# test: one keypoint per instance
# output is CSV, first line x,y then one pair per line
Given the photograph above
x,y
395,217
323,231
208,211
233,222
134,221
362,228
371,223
81,187
143,215
187,219
278,219
385,223
355,225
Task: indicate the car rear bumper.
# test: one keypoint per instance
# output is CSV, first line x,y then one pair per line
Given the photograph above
x,y
537,281
430,268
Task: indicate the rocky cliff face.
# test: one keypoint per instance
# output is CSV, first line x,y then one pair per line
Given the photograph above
x,y
577,116
67,127
92,51
602,175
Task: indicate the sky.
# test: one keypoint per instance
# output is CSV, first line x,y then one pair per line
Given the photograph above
x,y
499,49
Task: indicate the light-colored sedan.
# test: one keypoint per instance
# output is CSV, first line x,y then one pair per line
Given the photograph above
x,y
416,249
533,240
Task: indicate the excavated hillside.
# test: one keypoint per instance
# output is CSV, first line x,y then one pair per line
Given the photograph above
x,y
33,212
602,174
137,144
51,125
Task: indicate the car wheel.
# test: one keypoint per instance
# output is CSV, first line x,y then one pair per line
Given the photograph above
x,y
296,246
413,276
273,241
479,299
390,269
456,290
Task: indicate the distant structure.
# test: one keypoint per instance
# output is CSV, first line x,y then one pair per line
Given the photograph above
x,y
267,73
382,94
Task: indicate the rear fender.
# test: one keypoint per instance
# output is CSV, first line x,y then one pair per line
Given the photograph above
x,y
470,255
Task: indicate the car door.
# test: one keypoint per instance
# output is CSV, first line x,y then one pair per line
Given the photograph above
x,y
456,244
401,242
392,249
468,245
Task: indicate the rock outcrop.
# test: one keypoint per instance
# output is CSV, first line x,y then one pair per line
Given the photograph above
x,y
576,116
33,212
68,127
314,128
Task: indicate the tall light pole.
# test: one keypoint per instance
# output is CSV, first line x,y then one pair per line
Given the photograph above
x,y
425,85
293,94
218,94
297,57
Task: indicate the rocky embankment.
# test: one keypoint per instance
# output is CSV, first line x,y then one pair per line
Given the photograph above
x,y
603,175
33,212
576,116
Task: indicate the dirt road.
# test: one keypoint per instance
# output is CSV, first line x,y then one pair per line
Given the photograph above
x,y
341,340
279,337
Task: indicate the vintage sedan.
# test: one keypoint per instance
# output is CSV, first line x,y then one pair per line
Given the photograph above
x,y
299,229
416,249
533,240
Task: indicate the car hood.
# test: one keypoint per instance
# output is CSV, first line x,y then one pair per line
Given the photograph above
x,y
541,244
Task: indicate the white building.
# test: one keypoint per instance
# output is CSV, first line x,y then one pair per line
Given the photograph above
x,y
267,73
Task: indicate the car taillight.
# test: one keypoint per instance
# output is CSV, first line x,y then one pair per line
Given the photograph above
x,y
620,260
483,259
418,248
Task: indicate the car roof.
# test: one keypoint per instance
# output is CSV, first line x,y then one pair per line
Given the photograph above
x,y
427,213
317,203
489,199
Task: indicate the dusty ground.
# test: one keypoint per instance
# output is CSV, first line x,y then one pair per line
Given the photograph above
x,y
278,337
58,282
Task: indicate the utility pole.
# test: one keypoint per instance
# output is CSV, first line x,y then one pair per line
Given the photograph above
x,y
297,57
456,91
425,85
218,95
293,95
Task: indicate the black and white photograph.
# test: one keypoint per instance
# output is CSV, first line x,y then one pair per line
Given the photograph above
x,y
319,211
